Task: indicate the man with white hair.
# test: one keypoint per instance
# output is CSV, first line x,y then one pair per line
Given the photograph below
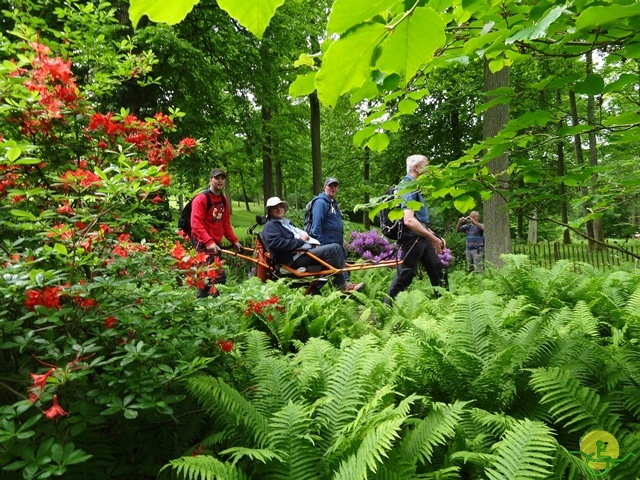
x,y
286,243
420,245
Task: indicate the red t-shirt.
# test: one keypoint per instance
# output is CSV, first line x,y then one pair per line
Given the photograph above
x,y
211,226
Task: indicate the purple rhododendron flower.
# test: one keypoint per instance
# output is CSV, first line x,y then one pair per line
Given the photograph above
x,y
370,246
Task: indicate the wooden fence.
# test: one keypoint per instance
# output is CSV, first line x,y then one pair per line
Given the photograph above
x,y
547,254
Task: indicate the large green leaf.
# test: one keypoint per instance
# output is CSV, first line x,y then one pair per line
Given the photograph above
x,y
302,85
539,29
347,63
592,85
160,11
254,15
612,12
412,43
347,13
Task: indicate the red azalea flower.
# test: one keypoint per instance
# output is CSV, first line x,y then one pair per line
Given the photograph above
x,y
40,380
65,209
156,199
110,322
225,345
48,298
55,410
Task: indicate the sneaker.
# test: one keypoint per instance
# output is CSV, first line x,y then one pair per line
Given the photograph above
x,y
351,287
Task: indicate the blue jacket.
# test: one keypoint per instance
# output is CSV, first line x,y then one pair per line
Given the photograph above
x,y
280,242
326,226
423,214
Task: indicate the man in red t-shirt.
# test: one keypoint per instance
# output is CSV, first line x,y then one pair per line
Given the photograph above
x,y
210,225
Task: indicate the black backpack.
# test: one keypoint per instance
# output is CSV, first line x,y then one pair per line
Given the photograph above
x,y
184,222
308,214
392,229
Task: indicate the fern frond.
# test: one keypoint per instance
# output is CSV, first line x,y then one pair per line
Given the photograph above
x,y
313,363
435,429
569,466
496,423
205,467
261,454
573,405
473,327
276,384
292,433
347,384
631,395
632,306
216,396
526,451
257,346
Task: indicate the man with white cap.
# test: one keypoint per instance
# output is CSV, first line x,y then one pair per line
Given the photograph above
x,y
287,243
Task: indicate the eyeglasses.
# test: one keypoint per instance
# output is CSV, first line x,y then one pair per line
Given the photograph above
x,y
279,206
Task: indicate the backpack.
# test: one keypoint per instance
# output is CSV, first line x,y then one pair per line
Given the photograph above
x,y
184,222
308,214
392,229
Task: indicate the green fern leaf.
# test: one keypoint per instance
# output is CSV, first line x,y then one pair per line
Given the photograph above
x,y
205,467
276,385
526,451
216,396
291,432
261,454
348,383
572,405
436,429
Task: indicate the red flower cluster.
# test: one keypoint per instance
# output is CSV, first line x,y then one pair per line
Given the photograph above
x,y
258,307
225,345
111,322
195,268
49,297
52,79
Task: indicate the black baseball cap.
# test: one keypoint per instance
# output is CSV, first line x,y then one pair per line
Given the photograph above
x,y
217,171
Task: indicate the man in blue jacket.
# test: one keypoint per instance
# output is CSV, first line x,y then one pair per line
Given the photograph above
x,y
287,244
326,218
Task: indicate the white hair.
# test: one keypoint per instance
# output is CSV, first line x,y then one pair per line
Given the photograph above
x,y
414,160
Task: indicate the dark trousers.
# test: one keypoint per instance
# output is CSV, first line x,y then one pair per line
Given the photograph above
x,y
331,253
415,250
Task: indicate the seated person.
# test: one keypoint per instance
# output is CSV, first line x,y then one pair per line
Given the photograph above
x,y
286,244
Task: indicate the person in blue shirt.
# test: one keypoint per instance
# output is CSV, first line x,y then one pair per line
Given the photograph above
x,y
326,218
287,244
474,232
420,244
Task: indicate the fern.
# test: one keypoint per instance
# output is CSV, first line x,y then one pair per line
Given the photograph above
x,y
291,434
276,385
574,406
526,451
257,346
435,429
204,467
216,396
347,384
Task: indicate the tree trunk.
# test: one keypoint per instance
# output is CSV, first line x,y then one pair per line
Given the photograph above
x,y
562,189
496,213
316,152
366,176
598,231
267,167
577,143
532,236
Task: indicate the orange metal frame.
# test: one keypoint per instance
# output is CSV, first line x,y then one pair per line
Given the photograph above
x,y
265,271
